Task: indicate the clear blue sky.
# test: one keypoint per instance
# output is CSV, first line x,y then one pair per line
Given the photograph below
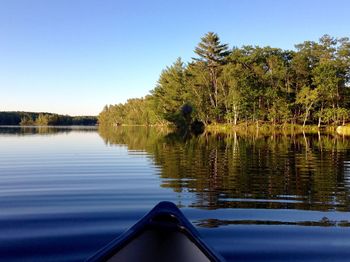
x,y
75,56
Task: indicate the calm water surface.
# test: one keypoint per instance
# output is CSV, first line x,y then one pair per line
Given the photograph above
x,y
64,193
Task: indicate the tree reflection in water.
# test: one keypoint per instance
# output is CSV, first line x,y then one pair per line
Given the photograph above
x,y
241,170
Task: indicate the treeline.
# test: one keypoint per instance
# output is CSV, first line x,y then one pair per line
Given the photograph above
x,y
44,119
252,84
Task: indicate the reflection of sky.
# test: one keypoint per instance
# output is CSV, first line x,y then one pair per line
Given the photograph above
x,y
39,160
57,143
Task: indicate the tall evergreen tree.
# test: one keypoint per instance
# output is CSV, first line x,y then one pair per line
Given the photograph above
x,y
212,55
170,94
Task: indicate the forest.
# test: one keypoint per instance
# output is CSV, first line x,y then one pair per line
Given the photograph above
x,y
250,84
44,119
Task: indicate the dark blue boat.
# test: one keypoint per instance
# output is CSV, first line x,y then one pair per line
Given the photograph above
x,y
164,234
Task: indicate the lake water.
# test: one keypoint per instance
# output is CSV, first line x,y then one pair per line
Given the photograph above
x,y
65,193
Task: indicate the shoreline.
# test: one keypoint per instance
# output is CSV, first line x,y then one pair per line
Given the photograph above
x,y
264,128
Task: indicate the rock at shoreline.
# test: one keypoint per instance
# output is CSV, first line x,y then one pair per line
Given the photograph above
x,y
343,130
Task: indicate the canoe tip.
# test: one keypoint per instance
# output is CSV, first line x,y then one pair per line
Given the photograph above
x,y
166,204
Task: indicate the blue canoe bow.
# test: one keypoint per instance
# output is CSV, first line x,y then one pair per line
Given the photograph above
x,y
164,234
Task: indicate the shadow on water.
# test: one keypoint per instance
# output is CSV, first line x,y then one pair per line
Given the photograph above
x,y
324,222
298,171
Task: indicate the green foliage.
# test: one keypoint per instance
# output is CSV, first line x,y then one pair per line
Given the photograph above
x,y
134,112
171,93
249,84
212,55
307,98
279,111
335,115
211,51
42,120
26,121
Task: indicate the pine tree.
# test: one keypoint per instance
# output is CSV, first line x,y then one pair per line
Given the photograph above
x,y
212,55
170,93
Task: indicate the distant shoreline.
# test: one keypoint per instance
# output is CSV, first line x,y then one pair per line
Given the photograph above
x,y
19,118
